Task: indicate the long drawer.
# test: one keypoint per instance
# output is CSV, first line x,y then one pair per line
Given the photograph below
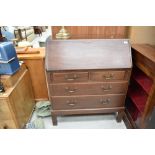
x,y
87,102
88,88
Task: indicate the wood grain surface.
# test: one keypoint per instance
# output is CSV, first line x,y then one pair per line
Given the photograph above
x,y
36,65
83,102
87,54
17,102
93,32
99,88
87,76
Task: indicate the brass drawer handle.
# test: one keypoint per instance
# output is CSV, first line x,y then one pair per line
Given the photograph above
x,y
71,103
70,90
106,89
71,79
105,101
108,77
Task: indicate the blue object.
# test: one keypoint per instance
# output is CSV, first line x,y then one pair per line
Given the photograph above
x,y
9,63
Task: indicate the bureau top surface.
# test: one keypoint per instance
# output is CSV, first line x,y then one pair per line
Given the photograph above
x,y
84,54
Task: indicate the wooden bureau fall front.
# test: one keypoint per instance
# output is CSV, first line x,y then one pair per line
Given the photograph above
x,y
88,76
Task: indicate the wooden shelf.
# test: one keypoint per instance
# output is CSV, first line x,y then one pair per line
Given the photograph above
x,y
132,109
138,97
142,79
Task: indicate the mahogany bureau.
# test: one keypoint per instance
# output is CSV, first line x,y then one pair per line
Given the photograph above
x,y
87,76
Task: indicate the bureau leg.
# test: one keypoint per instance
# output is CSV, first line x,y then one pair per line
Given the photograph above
x,y
119,116
54,120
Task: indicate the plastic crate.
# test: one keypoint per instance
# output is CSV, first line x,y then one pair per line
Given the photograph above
x,y
9,63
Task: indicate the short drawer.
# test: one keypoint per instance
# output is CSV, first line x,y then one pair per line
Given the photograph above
x,y
69,77
88,88
107,76
87,102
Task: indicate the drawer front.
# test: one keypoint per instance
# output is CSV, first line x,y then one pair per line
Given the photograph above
x,y
107,76
88,88
69,77
87,102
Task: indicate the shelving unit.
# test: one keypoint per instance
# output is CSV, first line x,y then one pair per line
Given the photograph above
x,y
138,93
141,93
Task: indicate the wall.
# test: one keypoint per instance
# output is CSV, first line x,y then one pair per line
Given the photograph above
x,y
93,32
142,34
136,34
